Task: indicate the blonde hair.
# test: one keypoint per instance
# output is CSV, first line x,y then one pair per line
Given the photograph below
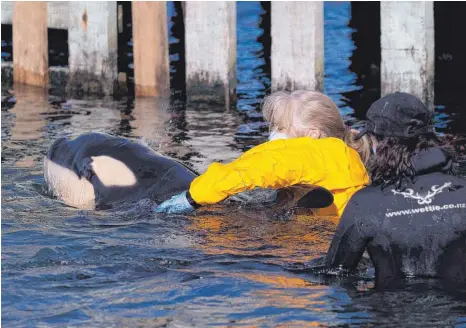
x,y
299,111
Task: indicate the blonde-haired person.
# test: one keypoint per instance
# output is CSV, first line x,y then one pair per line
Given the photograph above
x,y
309,113
310,145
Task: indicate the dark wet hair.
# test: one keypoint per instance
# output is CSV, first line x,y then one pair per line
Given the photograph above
x,y
392,164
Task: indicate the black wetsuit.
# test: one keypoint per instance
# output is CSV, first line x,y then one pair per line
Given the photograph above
x,y
420,231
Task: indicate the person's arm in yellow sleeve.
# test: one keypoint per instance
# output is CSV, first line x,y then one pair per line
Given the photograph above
x,y
275,165
327,162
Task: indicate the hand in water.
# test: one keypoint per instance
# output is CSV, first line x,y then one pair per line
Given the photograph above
x,y
176,205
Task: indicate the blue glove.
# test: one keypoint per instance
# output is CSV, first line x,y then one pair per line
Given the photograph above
x,y
176,205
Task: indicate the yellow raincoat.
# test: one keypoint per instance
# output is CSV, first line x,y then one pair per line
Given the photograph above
x,y
276,164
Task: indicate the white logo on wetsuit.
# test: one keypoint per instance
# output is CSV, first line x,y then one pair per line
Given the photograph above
x,y
423,199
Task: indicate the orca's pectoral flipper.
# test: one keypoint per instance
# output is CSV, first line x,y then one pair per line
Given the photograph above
x,y
318,197
283,202
84,168
305,197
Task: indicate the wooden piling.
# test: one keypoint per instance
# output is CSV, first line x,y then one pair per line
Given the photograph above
x,y
210,46
150,48
30,61
408,48
92,39
297,45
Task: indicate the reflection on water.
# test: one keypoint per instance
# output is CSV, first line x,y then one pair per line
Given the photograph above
x,y
129,267
256,235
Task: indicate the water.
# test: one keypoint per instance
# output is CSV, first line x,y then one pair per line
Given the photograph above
x,y
128,267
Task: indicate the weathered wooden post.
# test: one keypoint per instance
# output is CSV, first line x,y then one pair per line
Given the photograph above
x,y
408,48
150,36
210,46
30,61
92,39
297,45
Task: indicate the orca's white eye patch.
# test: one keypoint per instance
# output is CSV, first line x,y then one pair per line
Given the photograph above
x,y
112,172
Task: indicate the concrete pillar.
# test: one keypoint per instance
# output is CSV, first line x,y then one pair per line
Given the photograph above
x,y
150,36
408,48
92,41
297,45
57,14
7,12
210,43
30,60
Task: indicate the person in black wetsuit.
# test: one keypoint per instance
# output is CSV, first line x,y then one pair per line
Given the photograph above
x,y
412,219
